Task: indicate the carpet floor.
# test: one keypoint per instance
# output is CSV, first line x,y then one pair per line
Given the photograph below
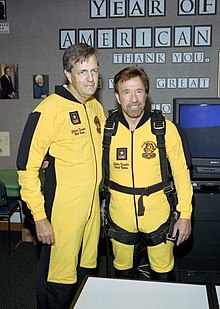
x,y
17,272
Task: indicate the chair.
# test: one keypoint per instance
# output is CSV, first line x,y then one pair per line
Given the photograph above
x,y
8,206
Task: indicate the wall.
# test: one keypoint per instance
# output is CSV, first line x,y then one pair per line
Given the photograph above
x,y
177,42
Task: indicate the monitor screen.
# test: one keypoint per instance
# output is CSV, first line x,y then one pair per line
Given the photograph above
x,y
200,121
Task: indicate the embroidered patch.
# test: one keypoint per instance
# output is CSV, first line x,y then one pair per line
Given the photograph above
x,y
74,117
78,131
121,153
149,150
98,124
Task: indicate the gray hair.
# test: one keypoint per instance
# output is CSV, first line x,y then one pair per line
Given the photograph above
x,y
38,77
77,52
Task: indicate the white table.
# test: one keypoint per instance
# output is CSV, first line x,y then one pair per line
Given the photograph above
x,y
217,288
102,293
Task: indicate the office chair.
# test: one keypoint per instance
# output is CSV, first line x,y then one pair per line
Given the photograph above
x,y
8,206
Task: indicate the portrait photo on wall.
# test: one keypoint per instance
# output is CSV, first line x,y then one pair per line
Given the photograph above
x,y
4,144
9,88
3,10
40,86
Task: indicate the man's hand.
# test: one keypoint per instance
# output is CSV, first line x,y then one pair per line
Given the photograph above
x,y
183,227
45,164
45,232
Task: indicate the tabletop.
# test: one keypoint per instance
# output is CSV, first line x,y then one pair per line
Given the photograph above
x,y
116,293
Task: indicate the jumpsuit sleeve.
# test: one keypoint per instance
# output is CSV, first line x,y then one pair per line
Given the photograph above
x,y
36,139
179,170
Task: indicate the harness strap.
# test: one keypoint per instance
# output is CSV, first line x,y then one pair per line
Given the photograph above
x,y
138,191
130,238
164,185
110,129
158,127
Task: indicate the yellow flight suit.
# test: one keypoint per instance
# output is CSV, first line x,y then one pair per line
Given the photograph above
x,y
70,135
134,162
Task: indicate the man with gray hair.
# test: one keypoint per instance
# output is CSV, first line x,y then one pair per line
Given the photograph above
x,y
67,128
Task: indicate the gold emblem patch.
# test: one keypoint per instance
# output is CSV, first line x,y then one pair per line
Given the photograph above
x,y
97,123
149,150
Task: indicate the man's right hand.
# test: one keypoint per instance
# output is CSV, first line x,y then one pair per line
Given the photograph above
x,y
45,164
45,232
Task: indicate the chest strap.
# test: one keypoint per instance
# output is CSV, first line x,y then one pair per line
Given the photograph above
x,y
164,185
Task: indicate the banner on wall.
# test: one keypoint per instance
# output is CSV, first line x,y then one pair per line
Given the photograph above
x,y
153,43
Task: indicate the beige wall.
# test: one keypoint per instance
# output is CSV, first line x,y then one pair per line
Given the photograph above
x,y
33,42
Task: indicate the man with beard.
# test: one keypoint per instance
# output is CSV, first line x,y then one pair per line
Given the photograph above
x,y
137,196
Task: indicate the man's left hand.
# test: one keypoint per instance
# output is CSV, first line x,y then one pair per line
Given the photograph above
x,y
183,228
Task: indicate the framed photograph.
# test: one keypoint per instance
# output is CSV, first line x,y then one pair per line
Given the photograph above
x,y
40,86
3,15
4,144
9,84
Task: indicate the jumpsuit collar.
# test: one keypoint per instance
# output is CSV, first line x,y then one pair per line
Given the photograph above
x,y
144,118
63,92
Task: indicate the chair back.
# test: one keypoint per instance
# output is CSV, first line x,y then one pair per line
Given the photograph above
x,y
3,194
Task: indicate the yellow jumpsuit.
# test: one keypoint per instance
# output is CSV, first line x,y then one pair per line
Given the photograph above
x,y
70,135
134,162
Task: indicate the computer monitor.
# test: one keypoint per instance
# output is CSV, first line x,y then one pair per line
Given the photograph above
x,y
200,120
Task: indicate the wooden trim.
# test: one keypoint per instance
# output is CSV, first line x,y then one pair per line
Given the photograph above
x,y
15,226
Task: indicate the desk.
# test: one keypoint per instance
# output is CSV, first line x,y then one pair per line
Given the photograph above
x,y
105,293
10,178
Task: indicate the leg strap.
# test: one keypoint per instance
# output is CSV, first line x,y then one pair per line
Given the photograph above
x,y
150,239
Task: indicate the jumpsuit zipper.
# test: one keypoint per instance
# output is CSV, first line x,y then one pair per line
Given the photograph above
x,y
132,175
93,147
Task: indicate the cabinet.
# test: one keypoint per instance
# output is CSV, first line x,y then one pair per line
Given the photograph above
x,y
198,259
